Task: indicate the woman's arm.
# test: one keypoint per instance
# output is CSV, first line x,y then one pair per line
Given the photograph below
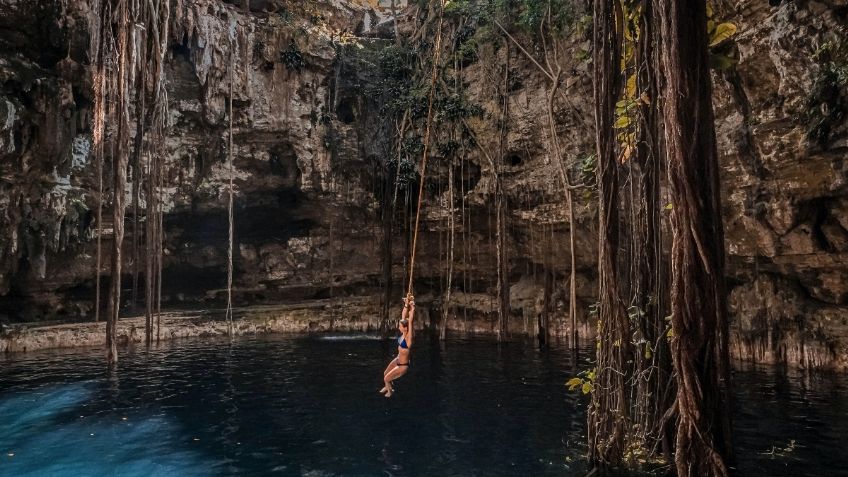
x,y
411,318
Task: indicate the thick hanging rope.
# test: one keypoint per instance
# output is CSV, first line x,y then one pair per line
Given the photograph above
x,y
423,167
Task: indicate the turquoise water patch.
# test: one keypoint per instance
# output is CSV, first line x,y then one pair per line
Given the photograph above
x,y
50,432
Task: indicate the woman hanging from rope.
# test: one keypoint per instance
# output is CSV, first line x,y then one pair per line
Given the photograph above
x,y
400,365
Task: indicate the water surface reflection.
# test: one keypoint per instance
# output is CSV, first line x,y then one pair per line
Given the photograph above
x,y
308,406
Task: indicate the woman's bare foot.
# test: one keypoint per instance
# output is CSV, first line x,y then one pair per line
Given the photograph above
x,y
385,389
390,392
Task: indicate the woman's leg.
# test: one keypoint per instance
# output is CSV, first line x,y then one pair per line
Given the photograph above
x,y
392,375
392,366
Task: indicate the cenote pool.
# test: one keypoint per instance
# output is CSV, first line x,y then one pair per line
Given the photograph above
x,y
308,406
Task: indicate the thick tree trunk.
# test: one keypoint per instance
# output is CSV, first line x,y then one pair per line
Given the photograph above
x,y
698,295
607,426
656,388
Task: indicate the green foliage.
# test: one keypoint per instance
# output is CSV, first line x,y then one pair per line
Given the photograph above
x,y
833,56
594,309
626,122
583,25
394,62
292,58
314,13
529,14
325,117
390,85
322,116
399,92
722,47
635,313
455,107
258,50
470,38
720,32
448,148
402,98
466,44
587,171
581,55
285,15
627,109
331,141
393,88
670,333
467,52
405,171
649,351
460,8
827,105
412,146
719,61
78,204
585,381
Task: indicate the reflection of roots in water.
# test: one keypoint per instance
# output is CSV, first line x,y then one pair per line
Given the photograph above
x,y
231,421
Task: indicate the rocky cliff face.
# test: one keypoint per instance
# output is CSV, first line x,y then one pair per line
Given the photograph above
x,y
290,187
310,155
783,136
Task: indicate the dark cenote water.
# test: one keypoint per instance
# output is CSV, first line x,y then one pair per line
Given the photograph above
x,y
308,406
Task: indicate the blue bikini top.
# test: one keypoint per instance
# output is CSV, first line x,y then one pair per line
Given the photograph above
x,y
402,342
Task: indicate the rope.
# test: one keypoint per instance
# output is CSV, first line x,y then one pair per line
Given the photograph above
x,y
423,167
